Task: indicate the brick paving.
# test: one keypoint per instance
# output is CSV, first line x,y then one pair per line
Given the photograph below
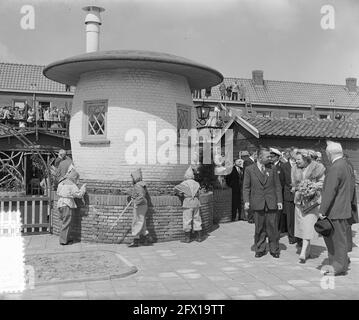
x,y
222,267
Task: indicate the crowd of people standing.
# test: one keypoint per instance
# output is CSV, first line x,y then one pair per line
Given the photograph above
x,y
289,192
234,91
26,116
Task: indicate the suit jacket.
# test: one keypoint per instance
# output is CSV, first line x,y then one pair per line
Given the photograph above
x,y
247,162
338,191
285,178
235,179
261,189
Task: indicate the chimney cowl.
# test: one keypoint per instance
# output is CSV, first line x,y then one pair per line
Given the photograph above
x,y
351,84
257,77
93,22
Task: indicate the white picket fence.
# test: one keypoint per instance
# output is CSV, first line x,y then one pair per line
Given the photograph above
x,y
35,212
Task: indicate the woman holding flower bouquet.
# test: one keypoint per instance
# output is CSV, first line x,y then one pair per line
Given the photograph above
x,y
307,183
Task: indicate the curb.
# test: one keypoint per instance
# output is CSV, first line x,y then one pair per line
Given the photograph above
x,y
133,270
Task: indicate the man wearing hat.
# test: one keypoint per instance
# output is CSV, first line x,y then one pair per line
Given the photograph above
x,y
249,157
189,191
141,200
276,155
235,181
67,191
63,163
285,177
337,199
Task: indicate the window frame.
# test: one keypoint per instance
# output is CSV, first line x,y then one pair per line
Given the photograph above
x,y
14,101
295,115
260,114
86,137
328,116
189,109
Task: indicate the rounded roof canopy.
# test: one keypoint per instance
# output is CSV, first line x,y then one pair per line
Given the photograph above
x,y
69,70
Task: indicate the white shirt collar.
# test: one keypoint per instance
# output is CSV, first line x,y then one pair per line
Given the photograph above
x,y
251,159
260,166
337,158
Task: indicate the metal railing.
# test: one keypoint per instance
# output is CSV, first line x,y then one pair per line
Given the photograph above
x,y
59,127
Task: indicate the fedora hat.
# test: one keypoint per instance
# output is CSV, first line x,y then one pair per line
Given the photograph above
x,y
324,227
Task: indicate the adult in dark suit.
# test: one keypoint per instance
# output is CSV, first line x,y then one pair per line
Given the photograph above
x,y
285,177
262,192
249,157
235,181
276,157
354,218
337,199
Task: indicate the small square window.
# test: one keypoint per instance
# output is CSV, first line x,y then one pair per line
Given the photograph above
x,y
324,116
296,115
95,120
264,114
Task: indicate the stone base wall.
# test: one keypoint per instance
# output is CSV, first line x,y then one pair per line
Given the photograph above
x,y
125,187
92,223
222,205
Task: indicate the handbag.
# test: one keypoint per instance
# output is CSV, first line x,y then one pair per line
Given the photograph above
x,y
324,227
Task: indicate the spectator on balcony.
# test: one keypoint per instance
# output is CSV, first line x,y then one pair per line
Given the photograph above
x,y
53,114
61,115
222,91
7,113
67,115
229,92
242,92
30,116
40,115
235,90
47,114
22,116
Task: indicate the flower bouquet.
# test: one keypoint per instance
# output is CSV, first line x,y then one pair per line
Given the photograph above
x,y
308,194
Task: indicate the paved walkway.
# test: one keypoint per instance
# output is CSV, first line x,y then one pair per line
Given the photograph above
x,y
222,267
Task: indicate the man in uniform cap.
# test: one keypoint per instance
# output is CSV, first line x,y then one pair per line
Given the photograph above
x,y
276,155
337,204
249,159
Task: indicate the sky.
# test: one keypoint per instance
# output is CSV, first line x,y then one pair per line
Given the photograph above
x,y
285,38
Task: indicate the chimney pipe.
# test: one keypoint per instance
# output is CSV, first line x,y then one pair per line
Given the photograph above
x,y
257,77
351,84
92,22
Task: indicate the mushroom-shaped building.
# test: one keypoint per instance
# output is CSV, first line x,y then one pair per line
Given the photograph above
x,y
127,110
128,107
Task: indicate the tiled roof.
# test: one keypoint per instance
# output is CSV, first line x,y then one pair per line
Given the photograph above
x,y
297,93
305,128
21,76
